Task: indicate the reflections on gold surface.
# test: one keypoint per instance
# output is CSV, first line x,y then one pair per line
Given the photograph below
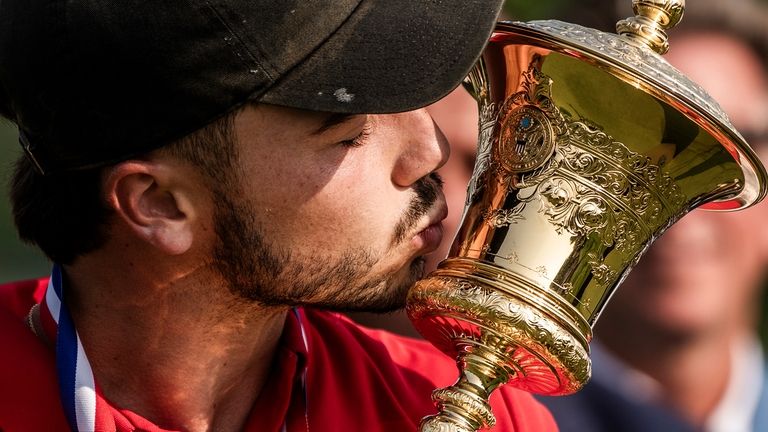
x,y
585,156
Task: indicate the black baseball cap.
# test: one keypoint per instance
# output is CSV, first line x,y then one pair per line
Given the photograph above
x,y
94,82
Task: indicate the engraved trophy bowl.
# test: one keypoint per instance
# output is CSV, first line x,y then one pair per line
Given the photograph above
x,y
590,146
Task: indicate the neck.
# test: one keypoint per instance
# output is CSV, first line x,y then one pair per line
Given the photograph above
x,y
693,370
186,355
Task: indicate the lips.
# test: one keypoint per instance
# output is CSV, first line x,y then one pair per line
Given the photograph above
x,y
429,238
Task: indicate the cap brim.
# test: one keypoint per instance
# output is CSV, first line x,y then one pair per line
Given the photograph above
x,y
390,56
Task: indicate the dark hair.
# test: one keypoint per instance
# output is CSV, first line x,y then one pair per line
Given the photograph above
x,y
65,214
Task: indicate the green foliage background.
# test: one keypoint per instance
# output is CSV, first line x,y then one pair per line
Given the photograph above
x,y
17,261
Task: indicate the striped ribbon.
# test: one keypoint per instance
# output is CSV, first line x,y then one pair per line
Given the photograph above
x,y
76,383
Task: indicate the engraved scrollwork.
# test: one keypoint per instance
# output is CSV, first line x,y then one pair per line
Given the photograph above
x,y
440,424
536,90
488,112
498,218
573,207
590,186
636,167
501,217
474,406
564,289
602,272
512,257
626,233
508,319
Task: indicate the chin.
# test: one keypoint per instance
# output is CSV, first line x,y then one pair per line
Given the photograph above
x,y
395,294
674,319
387,295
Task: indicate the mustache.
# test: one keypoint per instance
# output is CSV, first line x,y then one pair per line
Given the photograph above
x,y
427,191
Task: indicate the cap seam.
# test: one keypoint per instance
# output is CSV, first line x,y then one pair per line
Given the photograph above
x,y
243,46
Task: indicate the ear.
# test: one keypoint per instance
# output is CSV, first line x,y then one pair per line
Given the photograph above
x,y
155,207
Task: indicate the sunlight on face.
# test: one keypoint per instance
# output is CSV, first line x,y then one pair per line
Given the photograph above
x,y
330,214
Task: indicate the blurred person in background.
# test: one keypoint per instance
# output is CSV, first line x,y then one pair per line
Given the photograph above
x,y
677,348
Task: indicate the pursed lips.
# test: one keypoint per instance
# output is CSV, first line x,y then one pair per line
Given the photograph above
x,y
430,234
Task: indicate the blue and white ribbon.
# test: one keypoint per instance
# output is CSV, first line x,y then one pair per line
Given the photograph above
x,y
76,383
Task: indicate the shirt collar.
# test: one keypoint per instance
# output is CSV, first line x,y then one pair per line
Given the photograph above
x,y
282,402
283,397
738,406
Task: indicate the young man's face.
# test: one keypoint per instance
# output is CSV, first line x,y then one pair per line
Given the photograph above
x,y
331,213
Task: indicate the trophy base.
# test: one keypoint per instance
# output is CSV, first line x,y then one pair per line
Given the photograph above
x,y
497,334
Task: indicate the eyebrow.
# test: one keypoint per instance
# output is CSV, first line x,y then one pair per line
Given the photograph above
x,y
332,121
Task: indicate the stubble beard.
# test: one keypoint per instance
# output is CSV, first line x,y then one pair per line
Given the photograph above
x,y
259,271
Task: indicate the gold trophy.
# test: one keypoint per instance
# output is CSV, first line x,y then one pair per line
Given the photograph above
x,y
591,145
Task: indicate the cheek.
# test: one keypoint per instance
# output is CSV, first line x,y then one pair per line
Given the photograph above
x,y
345,212
742,244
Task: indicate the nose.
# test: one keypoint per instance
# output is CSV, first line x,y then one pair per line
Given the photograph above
x,y
423,148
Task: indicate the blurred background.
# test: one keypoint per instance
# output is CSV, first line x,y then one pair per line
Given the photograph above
x,y
17,261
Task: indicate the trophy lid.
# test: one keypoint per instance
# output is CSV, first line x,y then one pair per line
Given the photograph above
x,y
634,55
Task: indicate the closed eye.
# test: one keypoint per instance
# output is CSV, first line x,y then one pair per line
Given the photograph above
x,y
360,139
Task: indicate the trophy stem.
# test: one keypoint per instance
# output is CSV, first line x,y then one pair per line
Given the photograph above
x,y
497,334
464,407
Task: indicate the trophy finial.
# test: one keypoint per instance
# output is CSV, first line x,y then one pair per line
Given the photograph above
x,y
652,19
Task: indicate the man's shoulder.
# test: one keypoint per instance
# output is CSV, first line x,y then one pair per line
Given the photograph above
x,y
16,298
28,385
381,363
607,403
381,348
760,423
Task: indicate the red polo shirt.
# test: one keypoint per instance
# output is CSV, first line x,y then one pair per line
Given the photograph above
x,y
356,379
